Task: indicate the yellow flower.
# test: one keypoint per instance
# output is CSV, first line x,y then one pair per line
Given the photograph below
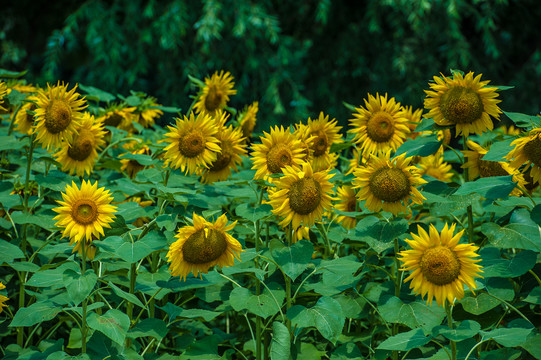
x,y
347,202
433,165
3,93
388,184
380,125
119,117
463,101
325,134
414,118
302,133
202,246
278,149
527,151
247,120
215,93
193,143
510,130
84,212
440,265
230,157
301,196
24,120
132,166
3,298
147,114
79,155
58,115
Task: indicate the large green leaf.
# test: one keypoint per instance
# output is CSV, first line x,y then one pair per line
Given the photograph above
x,y
479,304
523,120
534,297
326,316
79,286
413,315
507,336
293,259
96,94
532,345
498,151
41,220
405,341
52,278
253,213
378,234
263,305
348,351
491,188
280,344
465,330
9,252
149,327
134,251
496,266
420,146
35,313
126,295
519,236
114,324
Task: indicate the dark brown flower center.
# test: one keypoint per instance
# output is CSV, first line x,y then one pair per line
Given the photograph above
x,y
224,158
278,157
203,246
440,265
532,149
84,211
352,204
57,116
305,195
389,184
214,99
113,120
491,168
82,146
461,105
320,143
380,127
192,144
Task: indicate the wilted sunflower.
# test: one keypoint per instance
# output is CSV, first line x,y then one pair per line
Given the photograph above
x,y
433,165
278,149
119,116
527,151
301,195
347,202
380,125
24,120
232,146
202,246
325,134
247,119
84,212
485,168
79,155
388,184
463,101
132,166
193,143
58,115
3,298
440,265
215,94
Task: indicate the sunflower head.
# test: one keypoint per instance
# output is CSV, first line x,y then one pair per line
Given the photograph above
x,y
215,94
132,166
440,265
247,120
463,101
3,298
201,246
325,133
434,166
119,116
3,93
24,121
347,202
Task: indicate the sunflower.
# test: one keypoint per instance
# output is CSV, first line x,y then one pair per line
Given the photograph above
x,y
278,149
215,94
201,246
3,298
58,115
485,168
302,133
301,196
347,202
325,134
357,159
463,101
527,151
193,143
380,125
388,184
247,119
132,166
510,130
79,155
84,212
440,265
3,93
433,165
24,120
147,112
232,146
414,118
119,116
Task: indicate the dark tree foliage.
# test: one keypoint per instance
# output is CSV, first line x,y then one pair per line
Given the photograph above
x,y
297,58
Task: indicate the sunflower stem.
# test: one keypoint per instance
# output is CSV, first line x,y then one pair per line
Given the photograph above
x,y
449,310
83,320
257,281
397,284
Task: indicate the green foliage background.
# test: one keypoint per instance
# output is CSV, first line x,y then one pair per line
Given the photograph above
x,y
296,58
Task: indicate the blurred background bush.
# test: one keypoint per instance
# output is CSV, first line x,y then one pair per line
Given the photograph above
x,y
295,57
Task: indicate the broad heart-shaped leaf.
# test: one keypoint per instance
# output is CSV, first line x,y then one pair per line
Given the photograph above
x,y
413,315
101,347
53,278
280,344
263,305
523,120
498,151
520,236
347,351
532,345
496,266
149,327
292,259
9,252
114,324
496,187
134,251
96,94
535,214
79,286
35,313
126,296
405,341
176,311
420,146
479,304
507,336
466,330
535,296
253,213
379,234
326,316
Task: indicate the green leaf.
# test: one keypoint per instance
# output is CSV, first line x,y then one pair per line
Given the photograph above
x,y
101,347
96,94
114,324
490,188
341,146
378,234
413,315
24,266
142,159
501,354
523,120
532,345
326,316
253,213
479,304
35,314
499,287
43,221
126,296
420,146
134,251
79,286
9,252
465,330
280,344
293,259
167,109
263,305
495,266
498,151
149,327
507,336
521,236
534,297
8,74
535,214
405,341
52,278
